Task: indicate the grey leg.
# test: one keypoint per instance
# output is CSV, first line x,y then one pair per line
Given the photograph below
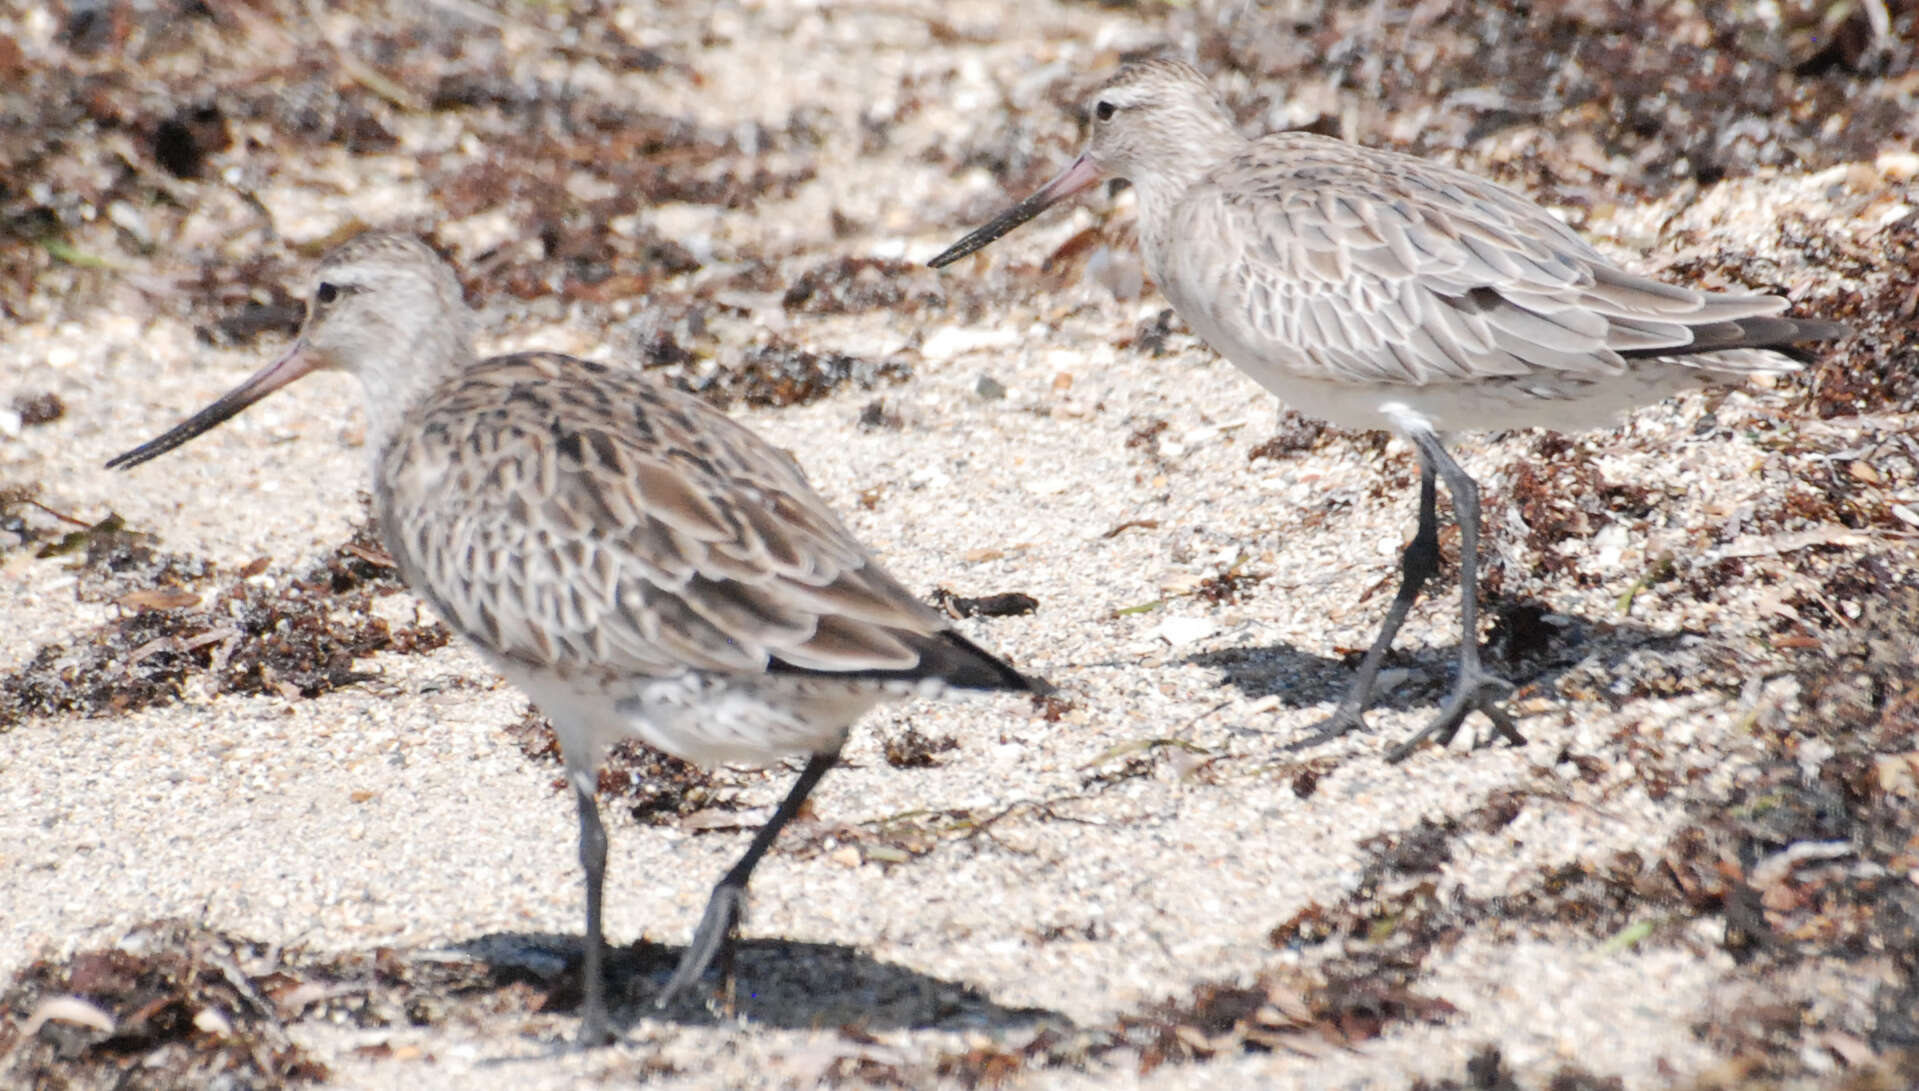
x,y
1416,566
1475,688
595,1027
722,916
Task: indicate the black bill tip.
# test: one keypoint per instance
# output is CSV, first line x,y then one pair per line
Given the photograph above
x,y
297,362
1081,174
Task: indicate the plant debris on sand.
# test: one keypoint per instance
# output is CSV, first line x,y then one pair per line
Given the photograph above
x,y
294,637
661,789
1709,609
171,1005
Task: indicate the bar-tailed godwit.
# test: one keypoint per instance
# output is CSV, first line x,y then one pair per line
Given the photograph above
x,y
633,560
1370,288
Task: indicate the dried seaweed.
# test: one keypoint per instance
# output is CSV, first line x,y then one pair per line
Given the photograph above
x,y
294,637
170,1006
660,789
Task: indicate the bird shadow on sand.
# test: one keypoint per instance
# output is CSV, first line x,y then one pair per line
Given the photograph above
x,y
776,983
517,993
1526,645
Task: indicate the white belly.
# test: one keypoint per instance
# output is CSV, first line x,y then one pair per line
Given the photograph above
x,y
1542,402
1559,400
751,721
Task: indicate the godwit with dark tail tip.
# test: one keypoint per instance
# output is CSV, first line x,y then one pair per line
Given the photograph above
x,y
1370,288
636,562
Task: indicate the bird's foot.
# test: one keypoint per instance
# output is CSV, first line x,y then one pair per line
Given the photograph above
x,y
709,939
596,1030
1348,717
1476,691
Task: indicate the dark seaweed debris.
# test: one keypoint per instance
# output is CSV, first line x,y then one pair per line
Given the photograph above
x,y
295,638
180,1011
779,374
660,789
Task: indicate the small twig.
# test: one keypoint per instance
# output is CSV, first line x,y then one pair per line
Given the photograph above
x,y
1177,739
60,515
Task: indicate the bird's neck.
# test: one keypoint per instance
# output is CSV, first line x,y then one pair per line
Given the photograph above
x,y
406,373
1159,190
1210,141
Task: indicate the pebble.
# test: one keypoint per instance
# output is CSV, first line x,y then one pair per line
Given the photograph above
x,y
1178,630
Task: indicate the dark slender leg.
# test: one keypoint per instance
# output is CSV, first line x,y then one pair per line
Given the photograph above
x,y
722,916
1416,566
595,1027
1475,688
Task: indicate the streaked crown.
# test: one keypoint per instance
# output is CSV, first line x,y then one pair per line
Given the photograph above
x,y
1158,117
379,299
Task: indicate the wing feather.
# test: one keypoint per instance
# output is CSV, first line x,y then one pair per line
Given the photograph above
x,y
581,543
1328,261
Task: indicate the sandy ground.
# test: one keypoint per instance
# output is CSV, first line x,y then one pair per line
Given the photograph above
x,y
1150,834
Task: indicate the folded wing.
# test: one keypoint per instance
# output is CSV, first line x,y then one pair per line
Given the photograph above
x,y
576,518
1348,264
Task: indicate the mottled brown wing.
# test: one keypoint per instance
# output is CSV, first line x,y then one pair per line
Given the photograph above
x,y
573,516
1353,265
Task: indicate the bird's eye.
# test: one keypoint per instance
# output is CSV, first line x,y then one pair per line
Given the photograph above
x,y
1104,111
326,293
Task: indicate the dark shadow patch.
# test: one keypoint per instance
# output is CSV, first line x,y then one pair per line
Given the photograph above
x,y
1578,659
190,1006
1301,679
796,985
1487,1071
182,143
785,984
